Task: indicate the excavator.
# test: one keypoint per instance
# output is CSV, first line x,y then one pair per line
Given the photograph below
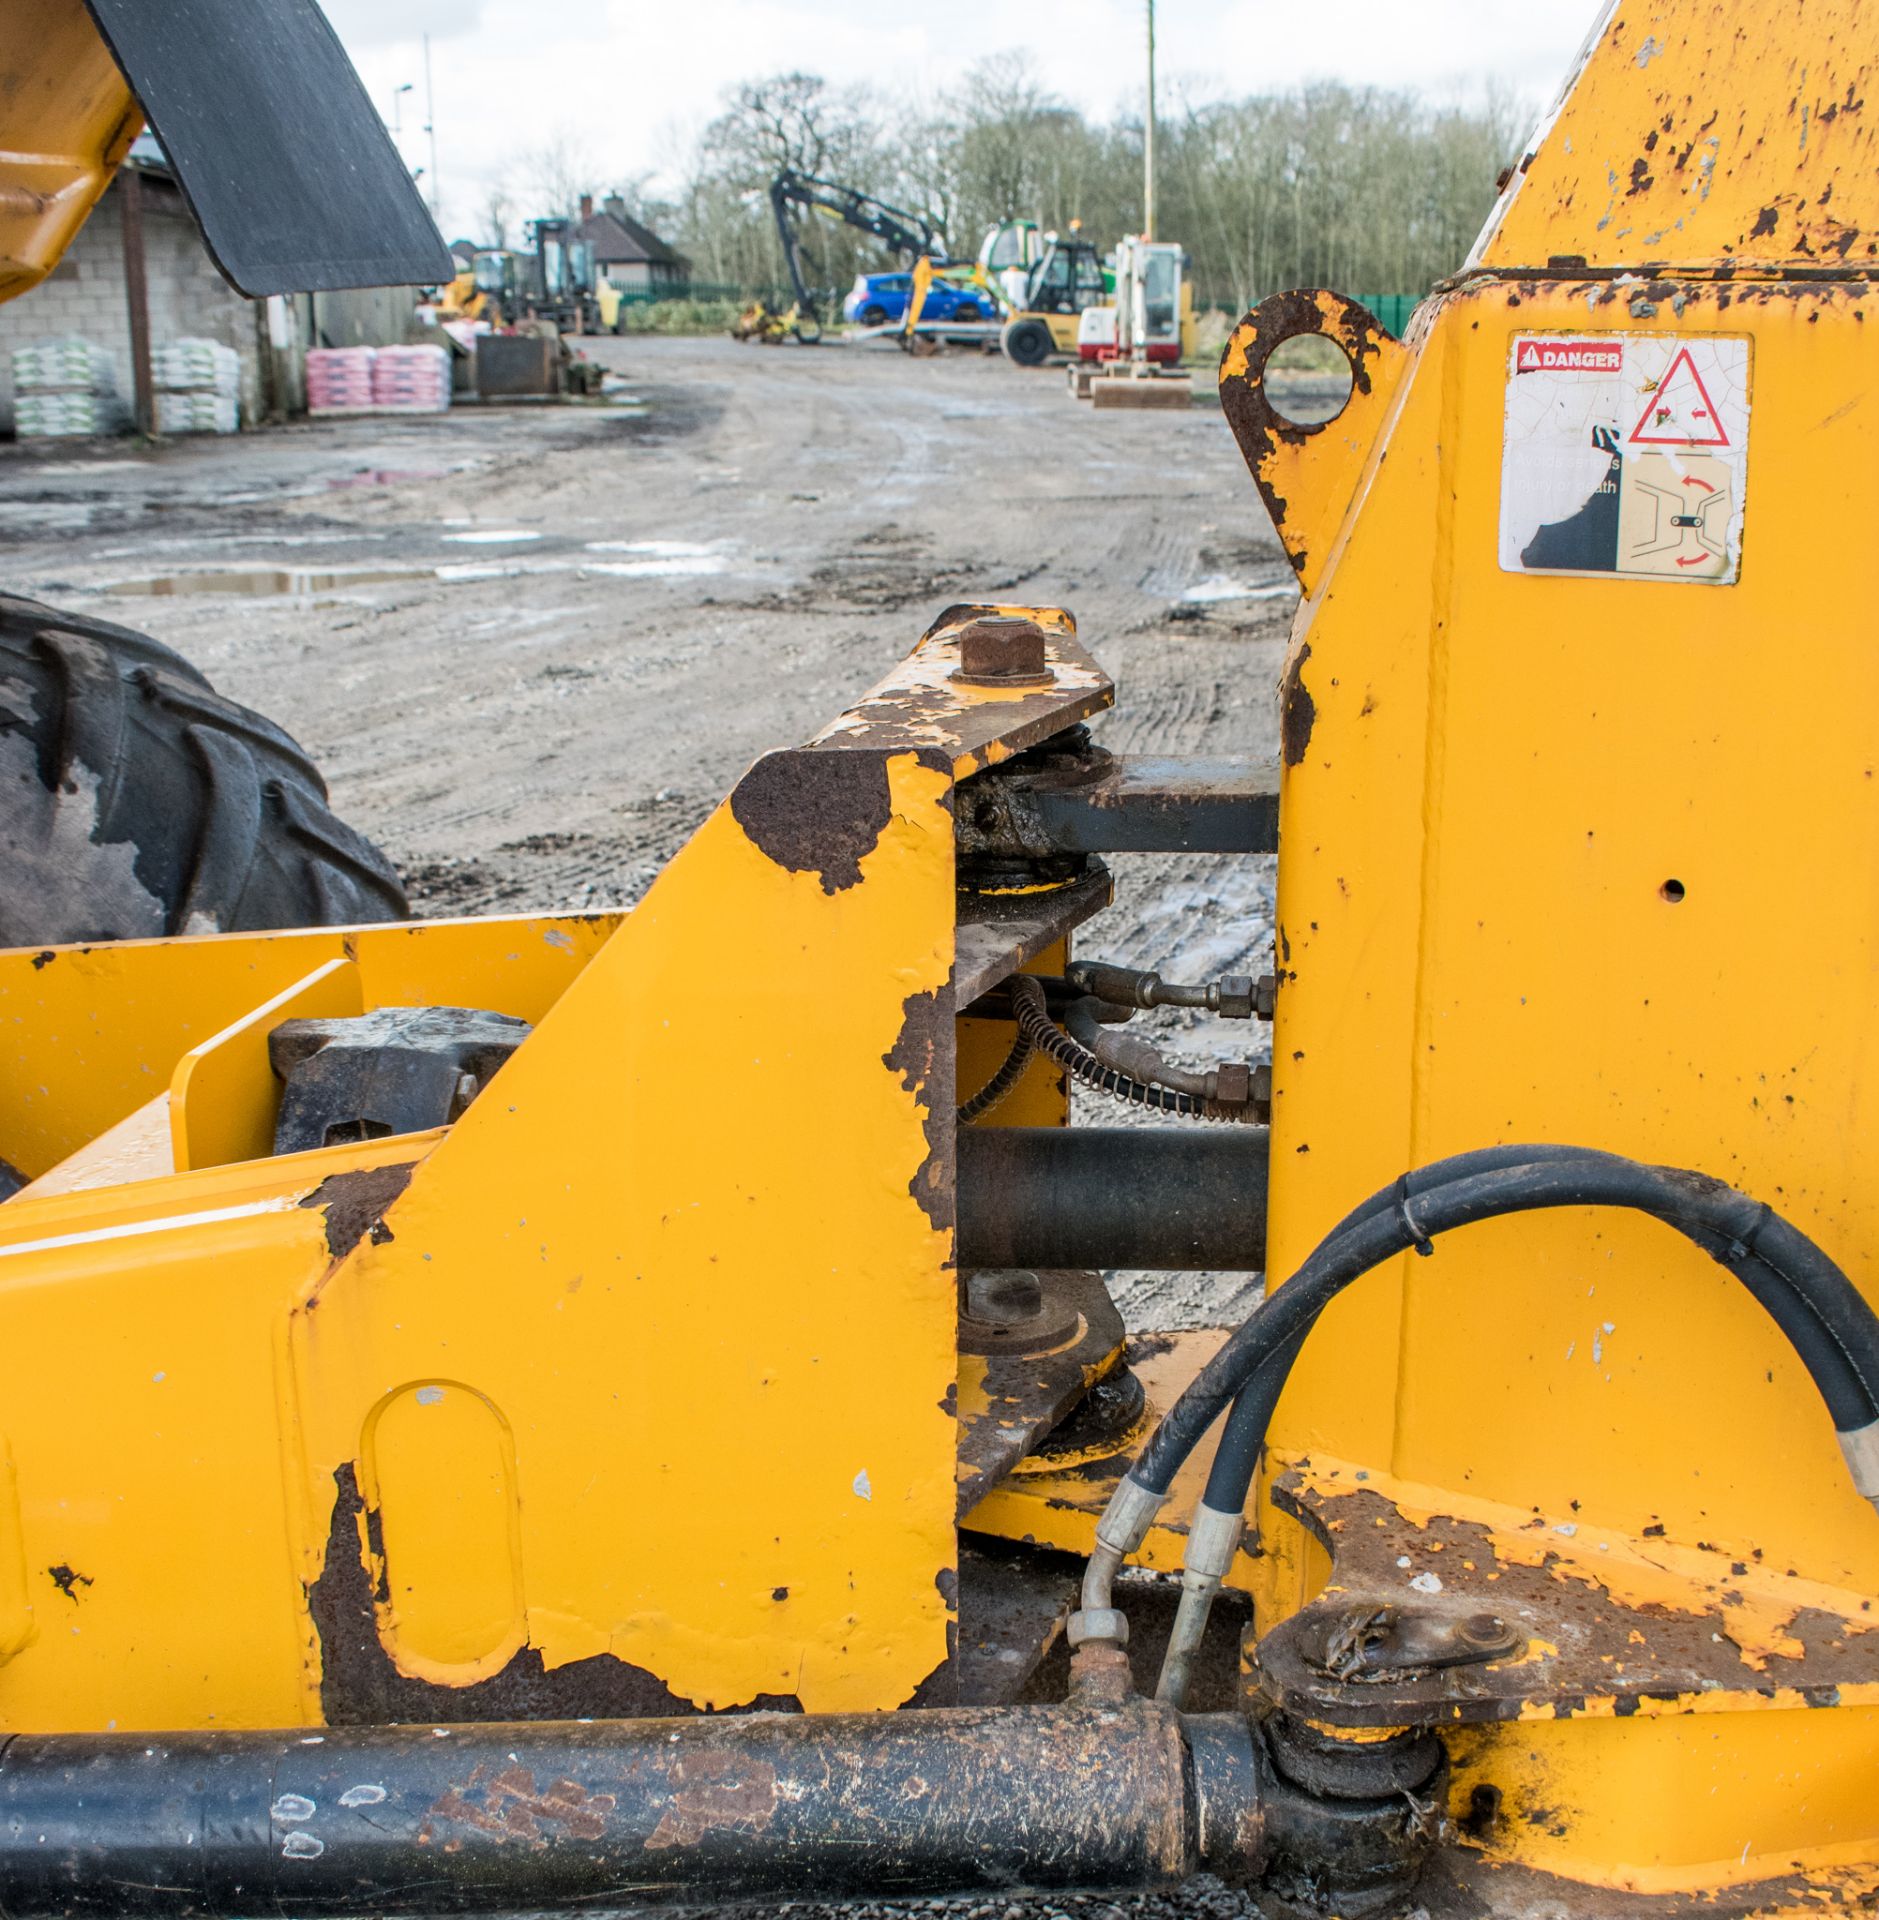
x,y
913,236
570,1411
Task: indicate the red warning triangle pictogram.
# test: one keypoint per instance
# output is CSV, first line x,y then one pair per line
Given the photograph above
x,y
1529,357
1680,413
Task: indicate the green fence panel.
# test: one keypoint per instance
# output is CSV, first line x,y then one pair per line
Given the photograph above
x,y
1392,309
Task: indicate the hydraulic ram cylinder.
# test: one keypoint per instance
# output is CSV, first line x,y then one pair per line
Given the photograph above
x,y
624,1813
1178,1199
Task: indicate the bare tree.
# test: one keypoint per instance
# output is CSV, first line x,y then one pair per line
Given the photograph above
x,y
497,211
1371,190
556,172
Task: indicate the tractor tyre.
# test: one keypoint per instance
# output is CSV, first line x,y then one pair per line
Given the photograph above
x,y
137,802
1027,342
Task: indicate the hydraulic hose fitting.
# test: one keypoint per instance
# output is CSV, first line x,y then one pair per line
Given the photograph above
x,y
1861,1448
1234,996
1213,1538
1100,1675
1120,1532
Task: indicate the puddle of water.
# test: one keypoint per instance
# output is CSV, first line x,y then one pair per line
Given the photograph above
x,y
263,580
658,569
1222,586
205,545
493,536
655,549
492,569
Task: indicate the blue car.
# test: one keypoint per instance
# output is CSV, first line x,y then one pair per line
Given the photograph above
x,y
878,298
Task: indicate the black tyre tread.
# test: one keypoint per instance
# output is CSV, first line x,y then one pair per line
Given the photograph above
x,y
136,801
1028,342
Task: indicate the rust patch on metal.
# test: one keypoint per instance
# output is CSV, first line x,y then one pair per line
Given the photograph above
x,y
1298,712
68,1580
715,1792
816,810
356,1204
922,1056
507,1805
1258,426
1022,1396
361,1686
1588,1650
920,706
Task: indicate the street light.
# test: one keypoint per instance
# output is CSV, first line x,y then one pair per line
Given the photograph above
x,y
1148,137
397,108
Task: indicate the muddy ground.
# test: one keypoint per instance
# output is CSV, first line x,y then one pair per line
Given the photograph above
x,y
533,646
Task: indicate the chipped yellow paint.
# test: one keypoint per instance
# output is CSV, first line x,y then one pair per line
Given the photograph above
x,y
1711,135
1492,779
1757,1601
684,1218
924,705
1318,472
142,1368
1776,1795
693,1267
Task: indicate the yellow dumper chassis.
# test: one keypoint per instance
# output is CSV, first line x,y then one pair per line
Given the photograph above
x,y
494,1414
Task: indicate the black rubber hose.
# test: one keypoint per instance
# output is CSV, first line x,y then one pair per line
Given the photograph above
x,y
1824,1356
1388,1225
1000,1084
1845,1387
1036,1025
1236,1459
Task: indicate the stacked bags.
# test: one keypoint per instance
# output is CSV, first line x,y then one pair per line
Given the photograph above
x,y
198,387
411,379
339,379
64,388
378,379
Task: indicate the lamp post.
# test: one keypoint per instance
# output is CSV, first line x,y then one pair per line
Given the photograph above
x,y
430,122
1148,137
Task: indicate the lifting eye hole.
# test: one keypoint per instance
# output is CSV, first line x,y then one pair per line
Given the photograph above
x,y
1671,890
1307,379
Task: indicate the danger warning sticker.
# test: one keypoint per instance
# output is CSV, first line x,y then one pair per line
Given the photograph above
x,y
1547,355
1625,453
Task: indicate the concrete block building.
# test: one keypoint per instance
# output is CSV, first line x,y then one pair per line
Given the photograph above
x,y
187,297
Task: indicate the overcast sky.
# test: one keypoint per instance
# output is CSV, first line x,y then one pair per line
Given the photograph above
x,y
630,79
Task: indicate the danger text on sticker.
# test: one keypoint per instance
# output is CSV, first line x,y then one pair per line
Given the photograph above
x,y
1569,356
1626,455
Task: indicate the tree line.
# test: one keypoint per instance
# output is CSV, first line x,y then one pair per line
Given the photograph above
x,y
1366,189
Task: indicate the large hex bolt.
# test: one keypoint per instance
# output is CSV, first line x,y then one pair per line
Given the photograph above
x,y
1002,650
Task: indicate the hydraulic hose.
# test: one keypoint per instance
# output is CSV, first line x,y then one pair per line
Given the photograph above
x,y
1831,1327
1000,1084
1036,1026
1850,1401
1833,1330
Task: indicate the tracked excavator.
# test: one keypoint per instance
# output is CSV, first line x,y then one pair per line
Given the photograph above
x,y
577,1411
913,236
